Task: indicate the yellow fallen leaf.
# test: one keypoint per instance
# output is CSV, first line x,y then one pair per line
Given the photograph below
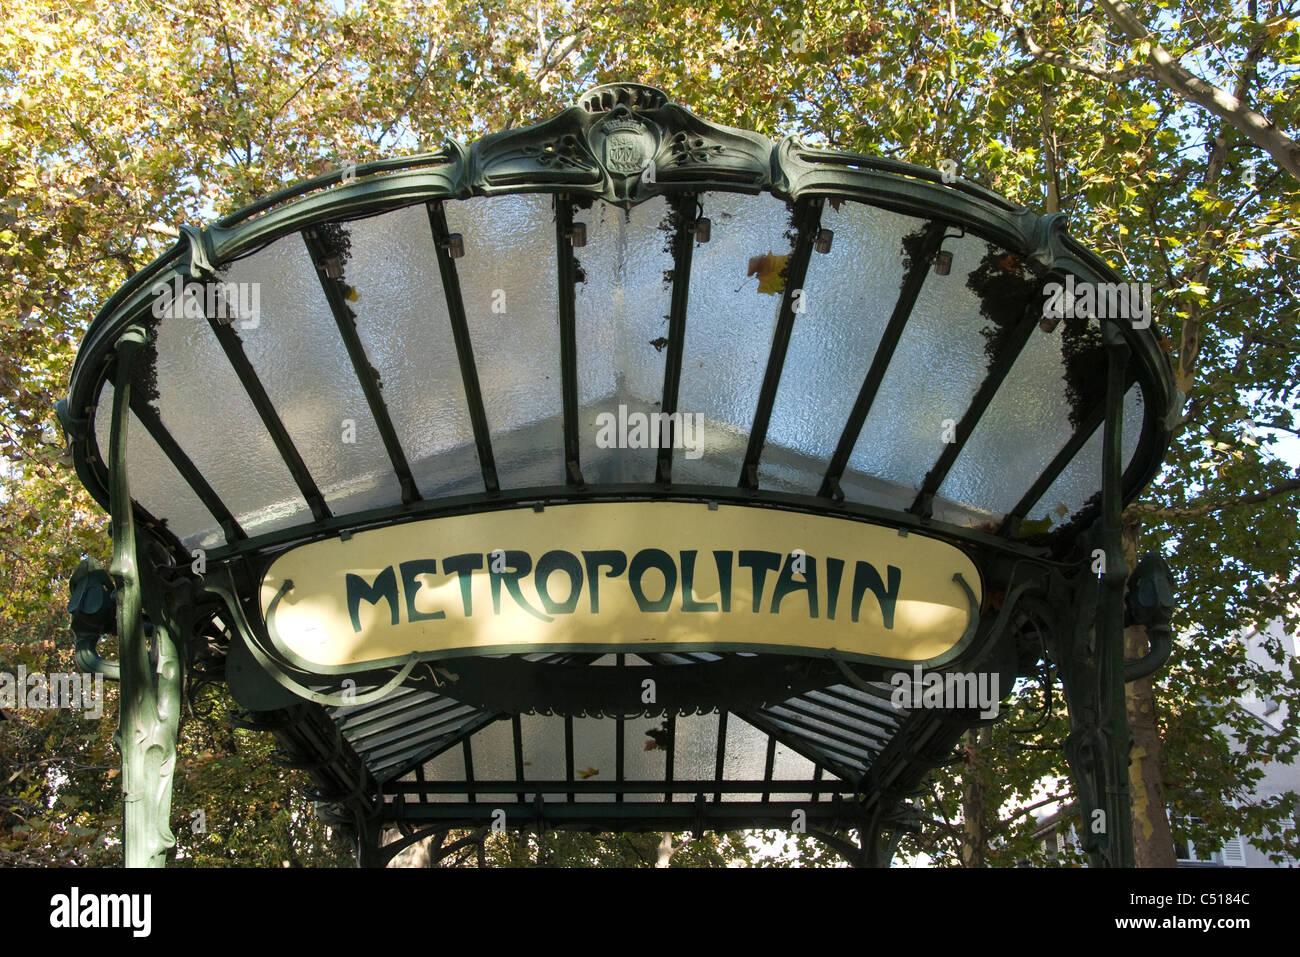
x,y
587,773
768,268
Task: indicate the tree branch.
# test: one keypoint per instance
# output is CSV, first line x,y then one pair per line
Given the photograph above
x,y
1002,825
1042,54
445,852
1195,511
1259,129
566,46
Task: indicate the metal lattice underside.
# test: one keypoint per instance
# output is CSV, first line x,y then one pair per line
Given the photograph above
x,y
440,761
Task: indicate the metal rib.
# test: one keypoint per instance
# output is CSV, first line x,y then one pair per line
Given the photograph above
x,y
907,296
464,348
808,216
345,319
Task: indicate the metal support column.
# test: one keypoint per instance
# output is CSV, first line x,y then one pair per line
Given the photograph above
x,y
1089,651
1117,849
151,686
367,836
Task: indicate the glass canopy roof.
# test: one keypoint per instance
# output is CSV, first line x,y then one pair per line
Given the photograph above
x,y
497,327
962,325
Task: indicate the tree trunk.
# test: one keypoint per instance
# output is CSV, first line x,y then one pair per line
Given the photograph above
x,y
974,799
1153,843
666,849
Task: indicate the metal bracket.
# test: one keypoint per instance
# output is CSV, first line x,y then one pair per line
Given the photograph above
x,y
274,669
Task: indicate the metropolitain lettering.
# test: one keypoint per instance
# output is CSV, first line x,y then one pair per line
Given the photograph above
x,y
656,580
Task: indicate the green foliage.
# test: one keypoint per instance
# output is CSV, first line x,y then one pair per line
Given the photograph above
x,y
121,119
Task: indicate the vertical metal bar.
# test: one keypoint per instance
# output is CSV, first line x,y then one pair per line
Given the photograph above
x,y
619,743
567,282
683,248
150,697
1110,612
517,729
808,218
420,780
997,374
568,753
817,777
672,751
345,319
234,350
464,347
469,766
719,764
767,765
918,269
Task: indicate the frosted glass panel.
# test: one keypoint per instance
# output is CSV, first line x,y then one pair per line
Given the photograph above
x,y
640,764
942,358
208,413
622,331
729,326
695,747
403,324
448,766
848,296
508,281
494,752
155,484
789,765
594,740
1030,419
1081,479
303,364
746,755
543,738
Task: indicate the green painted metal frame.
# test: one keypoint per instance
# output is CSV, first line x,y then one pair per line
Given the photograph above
x,y
335,290
151,684
564,156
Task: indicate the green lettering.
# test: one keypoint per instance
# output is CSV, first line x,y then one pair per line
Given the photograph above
x,y
518,564
385,586
786,583
411,584
865,578
761,563
464,567
834,569
615,561
723,561
569,564
688,586
646,559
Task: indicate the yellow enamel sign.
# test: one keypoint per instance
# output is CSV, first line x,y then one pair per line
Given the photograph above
x,y
620,576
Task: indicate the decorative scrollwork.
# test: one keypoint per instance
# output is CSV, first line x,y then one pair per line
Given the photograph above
x,y
560,154
690,148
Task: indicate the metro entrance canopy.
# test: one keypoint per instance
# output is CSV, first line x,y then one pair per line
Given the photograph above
x,y
603,473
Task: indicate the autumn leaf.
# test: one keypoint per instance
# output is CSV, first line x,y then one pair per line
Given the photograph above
x,y
770,271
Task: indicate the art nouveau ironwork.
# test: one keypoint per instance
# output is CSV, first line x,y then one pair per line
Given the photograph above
x,y
612,334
